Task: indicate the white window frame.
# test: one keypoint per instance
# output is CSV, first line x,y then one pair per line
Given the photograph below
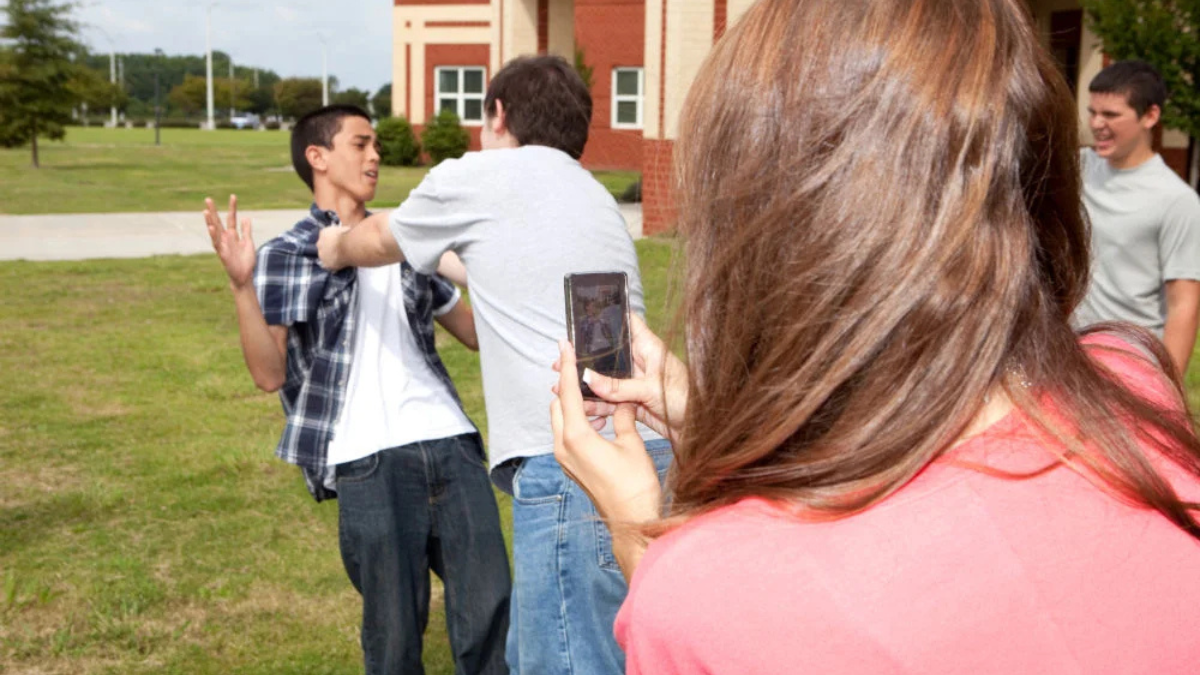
x,y
459,96
639,98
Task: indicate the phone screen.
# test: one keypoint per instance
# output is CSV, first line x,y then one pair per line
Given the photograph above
x,y
598,323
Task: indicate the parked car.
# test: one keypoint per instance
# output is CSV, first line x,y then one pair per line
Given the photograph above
x,y
246,121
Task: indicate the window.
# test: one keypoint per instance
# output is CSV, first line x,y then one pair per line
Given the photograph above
x,y
627,98
460,89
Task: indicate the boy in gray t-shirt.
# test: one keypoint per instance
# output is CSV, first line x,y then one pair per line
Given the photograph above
x,y
1145,220
521,215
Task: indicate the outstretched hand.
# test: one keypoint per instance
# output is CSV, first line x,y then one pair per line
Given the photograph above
x,y
235,248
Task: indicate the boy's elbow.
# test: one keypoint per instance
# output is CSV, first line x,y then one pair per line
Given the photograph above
x,y
268,383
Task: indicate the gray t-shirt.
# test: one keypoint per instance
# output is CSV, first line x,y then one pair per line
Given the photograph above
x,y
1145,232
520,219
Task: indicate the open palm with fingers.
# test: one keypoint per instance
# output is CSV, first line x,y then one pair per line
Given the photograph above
x,y
235,248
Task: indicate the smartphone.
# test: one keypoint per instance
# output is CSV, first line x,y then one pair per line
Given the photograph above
x,y
598,324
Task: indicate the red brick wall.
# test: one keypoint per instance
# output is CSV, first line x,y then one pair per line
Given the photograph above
x,y
611,34
453,55
658,208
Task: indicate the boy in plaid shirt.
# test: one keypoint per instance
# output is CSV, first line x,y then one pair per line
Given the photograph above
x,y
372,416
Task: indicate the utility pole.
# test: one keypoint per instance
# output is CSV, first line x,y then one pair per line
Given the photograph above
x,y
208,62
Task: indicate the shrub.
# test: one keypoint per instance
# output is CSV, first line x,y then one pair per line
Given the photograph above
x,y
398,144
633,193
176,123
445,138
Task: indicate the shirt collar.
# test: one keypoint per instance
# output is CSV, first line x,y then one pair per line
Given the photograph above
x,y
325,218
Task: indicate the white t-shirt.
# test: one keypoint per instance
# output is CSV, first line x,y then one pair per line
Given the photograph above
x,y
1145,232
520,219
392,398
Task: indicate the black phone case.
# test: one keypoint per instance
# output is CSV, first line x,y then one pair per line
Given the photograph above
x,y
569,283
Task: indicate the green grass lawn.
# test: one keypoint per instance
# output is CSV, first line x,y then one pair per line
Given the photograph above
x,y
97,170
145,526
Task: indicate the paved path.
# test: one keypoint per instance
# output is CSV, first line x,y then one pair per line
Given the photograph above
x,y
83,236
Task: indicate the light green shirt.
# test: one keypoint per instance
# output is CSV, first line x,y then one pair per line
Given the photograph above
x,y
1145,232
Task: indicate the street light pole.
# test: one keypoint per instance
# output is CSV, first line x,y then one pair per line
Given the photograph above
x,y
324,72
158,53
208,62
232,88
112,78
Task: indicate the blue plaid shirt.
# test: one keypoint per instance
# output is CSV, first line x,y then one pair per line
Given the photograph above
x,y
317,306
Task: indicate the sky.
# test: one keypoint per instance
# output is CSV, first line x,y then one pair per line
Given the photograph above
x,y
283,36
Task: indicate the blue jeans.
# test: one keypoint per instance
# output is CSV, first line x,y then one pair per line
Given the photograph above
x,y
405,511
568,586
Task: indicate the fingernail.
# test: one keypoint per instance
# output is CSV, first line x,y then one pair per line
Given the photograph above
x,y
587,376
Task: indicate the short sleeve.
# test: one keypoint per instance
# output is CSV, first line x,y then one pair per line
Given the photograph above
x,y
1179,239
445,294
436,216
289,284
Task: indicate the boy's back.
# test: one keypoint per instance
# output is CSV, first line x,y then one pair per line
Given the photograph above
x,y
520,219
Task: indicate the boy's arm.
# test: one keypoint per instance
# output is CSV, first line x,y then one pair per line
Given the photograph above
x,y
1183,317
460,322
368,244
263,347
451,267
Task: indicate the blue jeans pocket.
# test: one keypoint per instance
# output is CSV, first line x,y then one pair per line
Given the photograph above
x,y
358,470
537,487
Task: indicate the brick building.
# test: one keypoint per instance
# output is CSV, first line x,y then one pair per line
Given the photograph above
x,y
644,55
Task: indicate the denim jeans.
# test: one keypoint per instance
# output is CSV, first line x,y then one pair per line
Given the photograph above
x,y
410,509
568,586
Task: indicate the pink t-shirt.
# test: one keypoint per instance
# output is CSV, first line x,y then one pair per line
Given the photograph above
x,y
959,572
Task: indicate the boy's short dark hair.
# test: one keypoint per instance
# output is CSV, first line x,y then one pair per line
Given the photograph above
x,y
545,103
318,128
1137,81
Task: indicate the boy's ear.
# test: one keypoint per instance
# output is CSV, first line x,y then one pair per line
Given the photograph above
x,y
316,158
1148,119
498,122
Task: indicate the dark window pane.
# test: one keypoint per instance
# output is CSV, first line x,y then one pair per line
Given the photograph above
x,y
627,83
448,104
627,112
448,81
473,81
473,110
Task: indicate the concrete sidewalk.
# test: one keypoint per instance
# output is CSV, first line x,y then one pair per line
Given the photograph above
x,y
84,236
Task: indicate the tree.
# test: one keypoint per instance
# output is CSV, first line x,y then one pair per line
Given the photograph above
x,y
585,71
398,144
1163,33
351,96
445,138
41,74
298,96
381,102
192,95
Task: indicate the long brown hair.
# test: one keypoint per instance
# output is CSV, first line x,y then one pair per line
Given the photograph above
x,y
881,205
